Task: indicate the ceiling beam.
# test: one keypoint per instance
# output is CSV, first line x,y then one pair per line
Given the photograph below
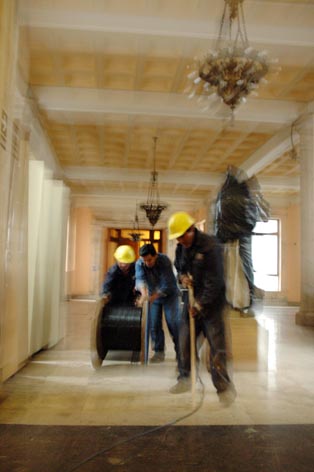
x,y
194,179
280,183
300,34
68,104
275,147
138,175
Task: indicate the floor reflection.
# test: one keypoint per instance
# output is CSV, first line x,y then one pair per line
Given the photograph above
x,y
271,363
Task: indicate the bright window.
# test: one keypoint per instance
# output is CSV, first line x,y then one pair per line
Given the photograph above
x,y
265,255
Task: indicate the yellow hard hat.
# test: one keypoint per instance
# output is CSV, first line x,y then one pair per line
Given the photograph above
x,y
178,223
125,254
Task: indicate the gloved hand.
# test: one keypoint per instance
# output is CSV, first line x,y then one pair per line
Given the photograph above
x,y
186,281
153,297
140,300
194,312
143,295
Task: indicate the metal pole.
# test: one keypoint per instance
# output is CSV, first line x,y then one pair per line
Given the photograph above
x,y
192,341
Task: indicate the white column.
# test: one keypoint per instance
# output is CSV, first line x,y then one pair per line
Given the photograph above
x,y
306,314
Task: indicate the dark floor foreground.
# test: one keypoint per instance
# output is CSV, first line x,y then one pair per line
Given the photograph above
x,y
275,448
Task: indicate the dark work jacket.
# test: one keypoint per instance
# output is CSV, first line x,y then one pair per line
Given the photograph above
x,y
204,261
120,286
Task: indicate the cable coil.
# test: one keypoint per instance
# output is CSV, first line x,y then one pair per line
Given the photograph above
x,y
120,328
117,328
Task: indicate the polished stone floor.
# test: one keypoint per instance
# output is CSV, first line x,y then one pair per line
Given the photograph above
x,y
262,448
272,370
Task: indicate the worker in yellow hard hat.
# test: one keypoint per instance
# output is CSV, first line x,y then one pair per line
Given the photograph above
x,y
199,264
179,223
118,287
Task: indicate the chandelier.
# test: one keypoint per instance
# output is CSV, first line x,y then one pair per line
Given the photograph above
x,y
153,207
233,69
136,234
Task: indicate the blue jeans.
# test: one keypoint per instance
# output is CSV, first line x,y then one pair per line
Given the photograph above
x,y
171,307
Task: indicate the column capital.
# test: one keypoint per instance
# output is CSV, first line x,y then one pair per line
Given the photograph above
x,y
305,118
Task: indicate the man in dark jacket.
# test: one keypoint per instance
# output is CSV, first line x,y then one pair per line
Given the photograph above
x,y
199,263
119,285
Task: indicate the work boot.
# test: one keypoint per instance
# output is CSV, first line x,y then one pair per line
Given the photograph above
x,y
247,313
183,385
158,357
227,396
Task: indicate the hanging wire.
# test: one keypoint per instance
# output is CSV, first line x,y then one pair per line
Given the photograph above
x,y
153,207
243,30
145,433
222,23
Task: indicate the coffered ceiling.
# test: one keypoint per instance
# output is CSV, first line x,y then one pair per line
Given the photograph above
x,y
109,75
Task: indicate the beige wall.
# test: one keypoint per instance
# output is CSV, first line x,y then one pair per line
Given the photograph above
x,y
81,246
10,356
30,291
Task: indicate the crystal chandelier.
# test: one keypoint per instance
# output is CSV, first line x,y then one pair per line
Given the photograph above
x,y
153,207
233,69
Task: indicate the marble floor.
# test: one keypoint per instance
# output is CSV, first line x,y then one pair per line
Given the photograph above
x,y
272,369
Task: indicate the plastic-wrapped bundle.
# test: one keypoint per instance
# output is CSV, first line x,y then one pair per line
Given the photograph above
x,y
239,205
